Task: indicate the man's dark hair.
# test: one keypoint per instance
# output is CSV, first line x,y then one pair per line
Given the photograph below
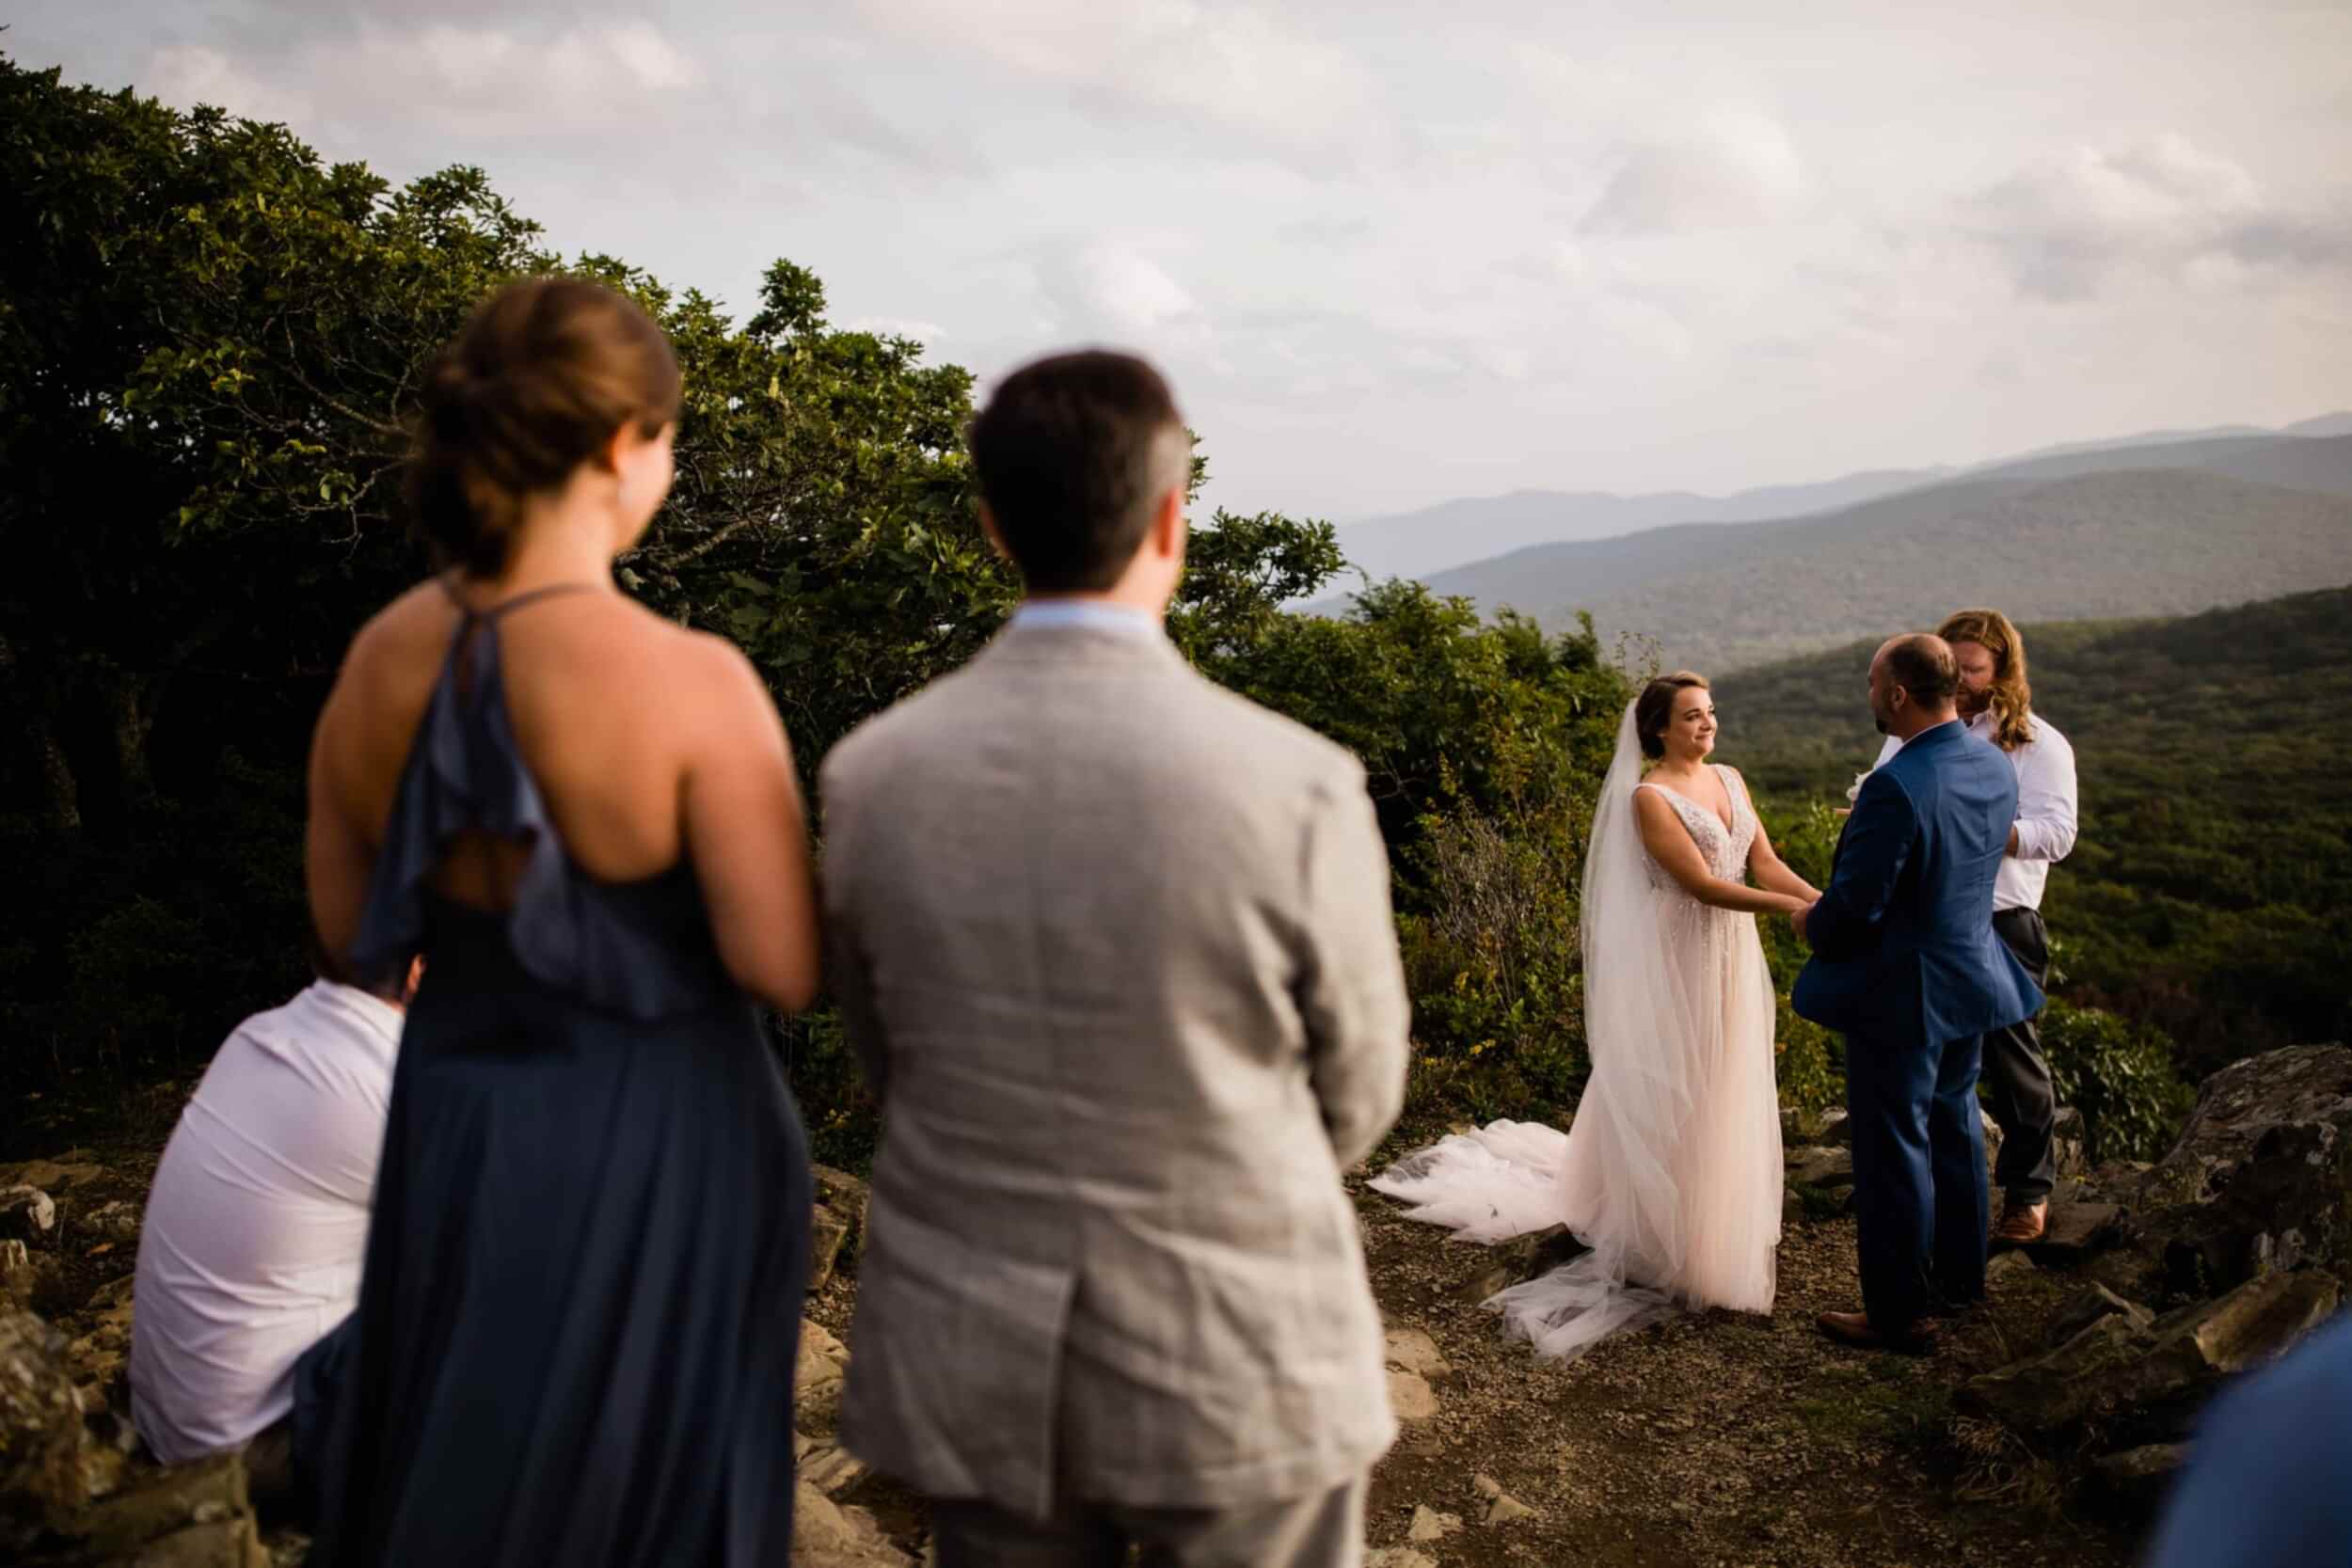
x,y
1072,453
1923,665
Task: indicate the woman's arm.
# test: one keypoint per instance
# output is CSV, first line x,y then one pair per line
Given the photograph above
x,y
336,858
747,830
1669,844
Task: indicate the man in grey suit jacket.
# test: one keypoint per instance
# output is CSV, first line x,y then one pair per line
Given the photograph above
x,y
1115,947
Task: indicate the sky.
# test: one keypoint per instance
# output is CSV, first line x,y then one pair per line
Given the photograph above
x,y
1390,256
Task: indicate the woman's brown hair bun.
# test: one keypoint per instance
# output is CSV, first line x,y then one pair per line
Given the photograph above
x,y
544,373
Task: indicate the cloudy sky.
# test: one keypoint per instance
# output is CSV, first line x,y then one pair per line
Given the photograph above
x,y
1391,255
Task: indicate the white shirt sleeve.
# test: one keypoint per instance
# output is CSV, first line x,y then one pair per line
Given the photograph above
x,y
2048,803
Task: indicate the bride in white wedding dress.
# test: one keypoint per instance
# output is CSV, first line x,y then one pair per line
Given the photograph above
x,y
1671,1170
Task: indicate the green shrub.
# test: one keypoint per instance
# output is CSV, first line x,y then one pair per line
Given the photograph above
x,y
2119,1075
1494,964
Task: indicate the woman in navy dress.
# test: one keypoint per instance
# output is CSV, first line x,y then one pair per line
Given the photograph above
x,y
576,1334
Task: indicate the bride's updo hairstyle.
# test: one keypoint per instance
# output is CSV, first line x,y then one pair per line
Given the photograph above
x,y
543,376
1654,709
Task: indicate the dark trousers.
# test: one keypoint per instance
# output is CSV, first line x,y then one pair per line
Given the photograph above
x,y
1919,1175
2018,1090
1322,1530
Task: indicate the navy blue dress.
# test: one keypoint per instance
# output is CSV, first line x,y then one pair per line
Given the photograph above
x,y
576,1330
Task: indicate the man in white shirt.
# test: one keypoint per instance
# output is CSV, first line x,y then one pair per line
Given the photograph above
x,y
250,1250
1996,703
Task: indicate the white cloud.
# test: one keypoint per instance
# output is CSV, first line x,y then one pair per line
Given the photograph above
x,y
1741,172
2068,224
466,80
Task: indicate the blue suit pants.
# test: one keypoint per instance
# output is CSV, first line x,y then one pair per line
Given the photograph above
x,y
1918,1171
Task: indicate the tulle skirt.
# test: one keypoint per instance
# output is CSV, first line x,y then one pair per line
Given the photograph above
x,y
1670,1171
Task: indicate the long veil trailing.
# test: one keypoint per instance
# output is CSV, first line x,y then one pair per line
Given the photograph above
x,y
1671,1135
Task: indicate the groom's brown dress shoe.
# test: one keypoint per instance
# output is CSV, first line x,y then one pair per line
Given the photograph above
x,y
1853,1329
2021,1224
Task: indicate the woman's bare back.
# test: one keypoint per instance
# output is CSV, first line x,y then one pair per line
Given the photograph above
x,y
625,722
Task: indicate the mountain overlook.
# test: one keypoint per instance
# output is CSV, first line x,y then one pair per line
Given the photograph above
x,y
2150,531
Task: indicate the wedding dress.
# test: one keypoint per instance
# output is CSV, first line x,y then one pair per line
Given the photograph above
x,y
1671,1170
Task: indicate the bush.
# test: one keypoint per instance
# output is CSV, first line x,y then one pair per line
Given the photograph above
x,y
2119,1075
1494,963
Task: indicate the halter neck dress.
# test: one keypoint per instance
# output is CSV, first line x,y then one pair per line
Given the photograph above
x,y
577,1325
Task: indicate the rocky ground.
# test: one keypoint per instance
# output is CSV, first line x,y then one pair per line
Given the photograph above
x,y
2042,1430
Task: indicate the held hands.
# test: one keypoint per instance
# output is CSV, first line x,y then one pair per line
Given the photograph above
x,y
1797,918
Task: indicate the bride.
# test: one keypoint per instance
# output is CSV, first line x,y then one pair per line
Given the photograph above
x,y
1671,1171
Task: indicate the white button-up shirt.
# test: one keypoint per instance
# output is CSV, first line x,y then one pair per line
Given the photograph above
x,y
2048,809
255,1230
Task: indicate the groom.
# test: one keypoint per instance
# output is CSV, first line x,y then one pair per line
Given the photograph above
x,y
1906,967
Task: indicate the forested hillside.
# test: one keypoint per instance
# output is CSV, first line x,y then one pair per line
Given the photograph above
x,y
2152,541
2208,892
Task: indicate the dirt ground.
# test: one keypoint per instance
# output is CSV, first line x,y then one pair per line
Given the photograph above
x,y
1721,1438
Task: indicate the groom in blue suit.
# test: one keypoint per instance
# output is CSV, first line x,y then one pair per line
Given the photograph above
x,y
1906,966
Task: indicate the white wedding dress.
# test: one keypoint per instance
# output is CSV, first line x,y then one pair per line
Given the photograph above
x,y
1671,1170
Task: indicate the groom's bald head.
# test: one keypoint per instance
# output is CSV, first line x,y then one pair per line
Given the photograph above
x,y
1914,679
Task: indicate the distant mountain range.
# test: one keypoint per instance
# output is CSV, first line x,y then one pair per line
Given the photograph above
x,y
2156,526
1458,532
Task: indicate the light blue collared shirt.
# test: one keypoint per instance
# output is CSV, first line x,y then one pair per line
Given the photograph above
x,y
1095,614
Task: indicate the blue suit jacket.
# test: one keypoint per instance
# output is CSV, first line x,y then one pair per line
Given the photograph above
x,y
1903,949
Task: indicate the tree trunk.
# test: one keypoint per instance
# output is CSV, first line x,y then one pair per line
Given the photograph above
x,y
131,716
64,796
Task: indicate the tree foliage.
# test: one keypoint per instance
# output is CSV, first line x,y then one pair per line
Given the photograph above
x,y
210,345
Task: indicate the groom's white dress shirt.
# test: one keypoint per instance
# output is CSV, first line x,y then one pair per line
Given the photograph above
x,y
2048,809
250,1250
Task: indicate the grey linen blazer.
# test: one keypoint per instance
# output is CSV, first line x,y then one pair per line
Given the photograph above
x,y
1115,947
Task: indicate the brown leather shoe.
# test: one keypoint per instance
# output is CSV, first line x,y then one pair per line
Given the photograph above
x,y
2021,1224
1853,1329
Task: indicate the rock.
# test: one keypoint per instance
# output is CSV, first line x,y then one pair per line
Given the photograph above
x,y
1507,1508
41,1431
1429,1525
19,1272
837,1224
27,1214
1836,1129
817,1376
2260,1176
2139,1477
1520,1258
2005,1264
116,1222
1409,1350
827,1232
1399,1557
62,1175
2148,1379
1411,1397
1791,1207
2070,1142
827,1535
2075,1230
225,1544
1486,1486
99,1355
1828,1168
2087,1305
831,1469
164,1504
2252,1323
1801,1129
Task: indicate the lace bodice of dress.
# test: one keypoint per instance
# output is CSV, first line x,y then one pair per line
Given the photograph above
x,y
1725,853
